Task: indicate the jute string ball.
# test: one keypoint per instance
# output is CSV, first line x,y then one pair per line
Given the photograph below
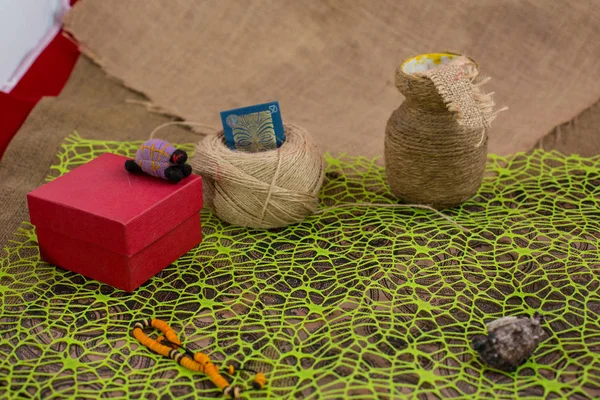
x,y
268,189
436,141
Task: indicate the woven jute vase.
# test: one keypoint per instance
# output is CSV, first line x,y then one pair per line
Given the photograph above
x,y
436,141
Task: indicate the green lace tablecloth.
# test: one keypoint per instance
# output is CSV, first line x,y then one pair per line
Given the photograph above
x,y
358,303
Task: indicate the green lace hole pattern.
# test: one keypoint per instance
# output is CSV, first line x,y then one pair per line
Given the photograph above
x,y
356,303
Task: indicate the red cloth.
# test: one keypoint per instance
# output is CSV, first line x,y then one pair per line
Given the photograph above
x,y
46,77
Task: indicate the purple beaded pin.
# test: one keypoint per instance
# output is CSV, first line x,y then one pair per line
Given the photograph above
x,y
158,158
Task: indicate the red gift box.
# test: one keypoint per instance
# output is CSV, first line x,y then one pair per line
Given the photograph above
x,y
114,226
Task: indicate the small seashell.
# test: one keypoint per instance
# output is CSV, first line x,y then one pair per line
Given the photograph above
x,y
510,341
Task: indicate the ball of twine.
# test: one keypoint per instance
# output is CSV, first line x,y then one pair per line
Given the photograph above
x,y
269,189
433,156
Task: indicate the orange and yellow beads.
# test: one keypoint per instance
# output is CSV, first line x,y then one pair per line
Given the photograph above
x,y
168,346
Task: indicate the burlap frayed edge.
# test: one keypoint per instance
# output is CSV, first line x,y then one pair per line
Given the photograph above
x,y
482,104
566,132
96,59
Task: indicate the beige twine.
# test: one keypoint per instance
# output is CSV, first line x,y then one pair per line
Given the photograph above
x,y
194,124
436,141
261,190
384,205
268,189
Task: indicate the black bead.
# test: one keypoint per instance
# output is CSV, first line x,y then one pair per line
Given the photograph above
x,y
173,174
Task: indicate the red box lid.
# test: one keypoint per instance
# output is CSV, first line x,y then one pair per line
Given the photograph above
x,y
101,203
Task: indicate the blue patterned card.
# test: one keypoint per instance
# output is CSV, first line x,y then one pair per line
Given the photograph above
x,y
255,128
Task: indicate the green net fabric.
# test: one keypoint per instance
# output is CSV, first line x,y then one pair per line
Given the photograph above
x,y
356,303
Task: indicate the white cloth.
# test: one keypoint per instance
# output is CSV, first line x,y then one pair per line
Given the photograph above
x,y
26,29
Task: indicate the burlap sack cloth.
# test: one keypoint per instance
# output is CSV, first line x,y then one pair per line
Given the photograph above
x,y
436,141
328,63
